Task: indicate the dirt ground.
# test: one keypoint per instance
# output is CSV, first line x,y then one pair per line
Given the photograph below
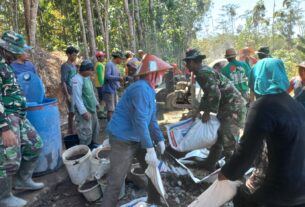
x,y
181,190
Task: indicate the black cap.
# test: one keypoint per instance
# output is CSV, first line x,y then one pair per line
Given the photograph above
x,y
71,50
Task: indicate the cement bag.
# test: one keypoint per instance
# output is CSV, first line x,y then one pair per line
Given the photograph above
x,y
139,202
177,131
188,135
217,194
154,175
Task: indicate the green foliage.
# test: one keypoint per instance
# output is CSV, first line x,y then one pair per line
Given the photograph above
x,y
291,59
287,18
301,45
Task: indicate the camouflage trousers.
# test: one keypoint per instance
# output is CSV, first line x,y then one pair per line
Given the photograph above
x,y
87,130
229,132
29,146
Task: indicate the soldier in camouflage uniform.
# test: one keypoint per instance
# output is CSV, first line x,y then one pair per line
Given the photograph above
x,y
20,145
222,98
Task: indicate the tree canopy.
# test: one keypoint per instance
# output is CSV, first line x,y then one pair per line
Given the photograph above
x,y
163,27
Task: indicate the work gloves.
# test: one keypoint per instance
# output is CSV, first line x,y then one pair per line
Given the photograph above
x,y
161,147
151,157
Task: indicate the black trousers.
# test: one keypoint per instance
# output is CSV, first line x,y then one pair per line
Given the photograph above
x,y
243,198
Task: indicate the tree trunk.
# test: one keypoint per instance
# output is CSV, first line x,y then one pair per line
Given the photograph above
x,y
15,16
30,13
134,24
272,29
90,30
106,26
32,31
130,26
139,24
153,26
27,16
81,20
100,20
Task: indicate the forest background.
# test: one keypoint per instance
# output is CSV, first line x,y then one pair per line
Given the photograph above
x,y
162,27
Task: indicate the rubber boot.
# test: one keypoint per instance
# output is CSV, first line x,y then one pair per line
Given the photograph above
x,y
154,197
23,179
93,145
211,161
7,199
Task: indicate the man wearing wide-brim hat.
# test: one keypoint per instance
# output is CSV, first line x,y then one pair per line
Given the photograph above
x,y
134,130
297,84
237,72
246,56
20,145
222,98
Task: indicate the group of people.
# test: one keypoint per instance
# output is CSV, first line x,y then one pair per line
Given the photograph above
x,y
273,139
132,124
273,125
80,93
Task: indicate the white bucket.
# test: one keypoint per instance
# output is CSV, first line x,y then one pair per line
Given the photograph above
x,y
92,191
76,160
100,165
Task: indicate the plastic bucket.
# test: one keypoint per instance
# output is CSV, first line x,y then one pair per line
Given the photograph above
x,y
138,177
91,190
76,160
71,141
100,163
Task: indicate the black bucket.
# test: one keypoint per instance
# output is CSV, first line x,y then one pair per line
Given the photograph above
x,y
71,141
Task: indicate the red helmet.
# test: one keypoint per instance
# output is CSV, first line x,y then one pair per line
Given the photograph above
x,y
99,54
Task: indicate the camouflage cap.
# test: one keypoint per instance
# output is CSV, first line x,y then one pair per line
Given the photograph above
x,y
14,43
118,54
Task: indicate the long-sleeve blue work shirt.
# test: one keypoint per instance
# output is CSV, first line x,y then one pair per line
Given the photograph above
x,y
112,78
134,118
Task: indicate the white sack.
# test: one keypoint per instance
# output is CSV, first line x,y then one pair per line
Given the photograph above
x,y
188,135
217,194
154,175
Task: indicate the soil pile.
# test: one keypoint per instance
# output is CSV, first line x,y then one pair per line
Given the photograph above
x,y
48,65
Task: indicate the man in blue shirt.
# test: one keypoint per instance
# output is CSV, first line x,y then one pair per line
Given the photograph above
x,y
134,129
112,82
22,64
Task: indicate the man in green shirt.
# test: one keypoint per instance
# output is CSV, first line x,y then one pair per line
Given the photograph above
x,y
99,73
237,72
83,97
